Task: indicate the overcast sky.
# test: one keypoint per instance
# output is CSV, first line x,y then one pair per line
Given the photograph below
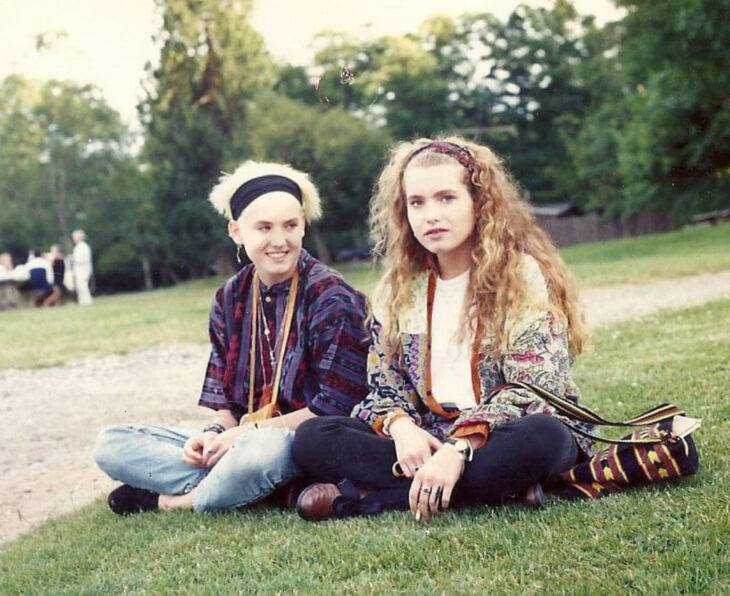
x,y
108,42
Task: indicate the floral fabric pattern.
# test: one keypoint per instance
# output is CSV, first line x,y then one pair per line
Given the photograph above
x,y
537,354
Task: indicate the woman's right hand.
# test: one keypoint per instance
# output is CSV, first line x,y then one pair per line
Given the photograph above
x,y
195,449
413,445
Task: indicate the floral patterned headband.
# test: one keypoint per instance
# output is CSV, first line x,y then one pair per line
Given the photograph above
x,y
459,153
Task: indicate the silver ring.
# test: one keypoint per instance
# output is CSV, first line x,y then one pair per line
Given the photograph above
x,y
425,489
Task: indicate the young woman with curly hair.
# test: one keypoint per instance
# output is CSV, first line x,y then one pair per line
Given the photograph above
x,y
473,299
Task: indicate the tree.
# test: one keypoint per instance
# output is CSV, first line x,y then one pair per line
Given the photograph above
x,y
592,140
513,85
523,82
340,152
81,136
66,164
211,63
675,149
24,217
394,82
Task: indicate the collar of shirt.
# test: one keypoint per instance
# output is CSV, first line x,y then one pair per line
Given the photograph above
x,y
276,290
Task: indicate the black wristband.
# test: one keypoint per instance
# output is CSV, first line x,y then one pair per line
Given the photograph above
x,y
215,428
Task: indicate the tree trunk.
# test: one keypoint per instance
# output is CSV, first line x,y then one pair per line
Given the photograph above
x,y
62,215
322,251
57,193
147,273
225,263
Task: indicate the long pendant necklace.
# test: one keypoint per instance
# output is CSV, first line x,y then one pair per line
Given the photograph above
x,y
268,400
271,349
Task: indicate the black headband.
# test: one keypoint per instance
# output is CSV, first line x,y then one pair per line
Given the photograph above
x,y
249,191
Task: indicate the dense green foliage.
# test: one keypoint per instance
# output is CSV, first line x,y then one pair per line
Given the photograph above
x,y
211,64
658,137
343,154
65,163
622,118
657,540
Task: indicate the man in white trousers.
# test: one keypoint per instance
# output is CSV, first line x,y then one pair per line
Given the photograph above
x,y
82,267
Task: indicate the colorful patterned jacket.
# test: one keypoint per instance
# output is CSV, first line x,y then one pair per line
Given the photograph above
x,y
537,354
324,365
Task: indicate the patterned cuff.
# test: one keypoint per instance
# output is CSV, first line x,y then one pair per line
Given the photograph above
x,y
474,429
382,423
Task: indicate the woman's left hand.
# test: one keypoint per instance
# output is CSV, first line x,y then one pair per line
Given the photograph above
x,y
218,447
433,484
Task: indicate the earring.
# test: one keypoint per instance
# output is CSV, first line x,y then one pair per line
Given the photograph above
x,y
238,253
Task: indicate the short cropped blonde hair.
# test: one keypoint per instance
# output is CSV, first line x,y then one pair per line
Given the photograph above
x,y
222,192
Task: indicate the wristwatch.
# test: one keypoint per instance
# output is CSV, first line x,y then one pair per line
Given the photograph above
x,y
463,448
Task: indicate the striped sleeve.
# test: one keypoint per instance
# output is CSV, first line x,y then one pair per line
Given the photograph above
x,y
213,393
338,349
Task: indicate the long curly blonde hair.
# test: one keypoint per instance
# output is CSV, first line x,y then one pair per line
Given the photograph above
x,y
504,231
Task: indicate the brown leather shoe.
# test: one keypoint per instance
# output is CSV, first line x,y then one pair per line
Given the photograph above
x,y
315,501
533,497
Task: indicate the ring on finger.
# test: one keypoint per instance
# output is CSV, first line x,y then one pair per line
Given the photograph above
x,y
437,494
426,489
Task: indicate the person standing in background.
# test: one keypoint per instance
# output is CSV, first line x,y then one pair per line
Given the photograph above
x,y
82,267
59,269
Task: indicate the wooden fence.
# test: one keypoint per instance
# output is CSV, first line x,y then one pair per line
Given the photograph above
x,y
565,231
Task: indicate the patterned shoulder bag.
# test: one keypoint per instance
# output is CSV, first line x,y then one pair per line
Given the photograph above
x,y
660,448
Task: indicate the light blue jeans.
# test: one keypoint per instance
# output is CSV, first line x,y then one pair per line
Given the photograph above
x,y
149,457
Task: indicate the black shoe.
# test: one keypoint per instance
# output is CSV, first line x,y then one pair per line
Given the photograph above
x,y
127,500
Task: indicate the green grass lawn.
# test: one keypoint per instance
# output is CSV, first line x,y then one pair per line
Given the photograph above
x,y
657,540
656,256
125,322
113,324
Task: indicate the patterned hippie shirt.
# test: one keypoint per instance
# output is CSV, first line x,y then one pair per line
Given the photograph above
x,y
537,354
324,366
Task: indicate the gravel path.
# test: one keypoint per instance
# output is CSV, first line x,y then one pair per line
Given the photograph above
x,y
50,416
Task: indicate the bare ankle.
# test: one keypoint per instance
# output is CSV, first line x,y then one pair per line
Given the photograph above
x,y
169,502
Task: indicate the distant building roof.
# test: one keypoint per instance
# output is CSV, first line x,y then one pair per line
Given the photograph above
x,y
556,209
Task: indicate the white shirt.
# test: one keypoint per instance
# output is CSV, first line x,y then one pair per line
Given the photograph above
x,y
450,358
82,259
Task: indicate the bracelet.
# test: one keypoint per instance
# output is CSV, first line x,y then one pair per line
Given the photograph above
x,y
214,428
391,417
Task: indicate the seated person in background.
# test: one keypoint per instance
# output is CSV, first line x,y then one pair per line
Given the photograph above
x,y
6,263
9,295
59,270
40,278
288,344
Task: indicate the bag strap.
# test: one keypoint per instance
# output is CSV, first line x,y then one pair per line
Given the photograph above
x,y
583,414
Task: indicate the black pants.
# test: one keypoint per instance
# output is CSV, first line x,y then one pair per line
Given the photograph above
x,y
516,456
